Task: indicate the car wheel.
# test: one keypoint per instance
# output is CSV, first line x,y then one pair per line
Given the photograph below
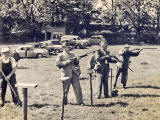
x,y
39,55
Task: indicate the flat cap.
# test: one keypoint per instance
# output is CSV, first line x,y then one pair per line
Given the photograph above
x,y
126,46
3,50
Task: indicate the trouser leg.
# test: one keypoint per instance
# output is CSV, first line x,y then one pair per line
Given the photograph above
x,y
117,75
105,79
3,91
124,77
99,84
66,86
77,88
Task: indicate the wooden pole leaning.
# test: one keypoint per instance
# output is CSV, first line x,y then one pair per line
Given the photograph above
x,y
25,87
90,79
62,115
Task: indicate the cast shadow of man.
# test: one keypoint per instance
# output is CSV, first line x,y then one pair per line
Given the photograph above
x,y
144,86
42,105
122,104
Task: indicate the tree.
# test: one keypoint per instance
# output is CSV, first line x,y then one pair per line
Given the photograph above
x,y
135,14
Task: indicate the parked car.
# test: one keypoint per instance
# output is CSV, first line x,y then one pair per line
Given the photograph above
x,y
54,46
38,45
75,41
28,51
96,39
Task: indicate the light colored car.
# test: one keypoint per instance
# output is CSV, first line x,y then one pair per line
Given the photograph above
x,y
28,51
75,41
96,39
53,46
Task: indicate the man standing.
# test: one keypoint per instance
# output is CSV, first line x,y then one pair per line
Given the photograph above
x,y
123,65
102,59
70,72
8,67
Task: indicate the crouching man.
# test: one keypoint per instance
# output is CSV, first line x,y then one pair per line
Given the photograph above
x,y
8,67
70,72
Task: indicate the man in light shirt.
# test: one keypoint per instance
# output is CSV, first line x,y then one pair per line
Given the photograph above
x,y
70,72
8,67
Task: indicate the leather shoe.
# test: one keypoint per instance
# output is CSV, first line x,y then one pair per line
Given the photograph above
x,y
1,105
82,104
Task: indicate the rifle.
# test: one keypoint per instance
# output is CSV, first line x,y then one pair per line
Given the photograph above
x,y
142,49
9,84
75,59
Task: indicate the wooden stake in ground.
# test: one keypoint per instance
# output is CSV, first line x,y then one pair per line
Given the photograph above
x,y
90,79
62,115
111,82
25,96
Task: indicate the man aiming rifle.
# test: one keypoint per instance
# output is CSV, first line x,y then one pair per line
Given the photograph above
x,y
123,64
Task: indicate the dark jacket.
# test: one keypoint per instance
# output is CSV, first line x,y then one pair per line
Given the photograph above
x,y
126,56
102,60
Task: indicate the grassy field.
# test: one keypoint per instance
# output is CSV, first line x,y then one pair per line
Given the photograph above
x,y
140,101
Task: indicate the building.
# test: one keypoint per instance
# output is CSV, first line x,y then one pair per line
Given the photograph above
x,y
53,32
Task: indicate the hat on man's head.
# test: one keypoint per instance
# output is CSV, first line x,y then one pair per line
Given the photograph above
x,y
126,46
4,50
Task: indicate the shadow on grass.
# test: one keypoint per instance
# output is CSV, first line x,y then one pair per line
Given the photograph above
x,y
139,96
144,86
123,104
42,105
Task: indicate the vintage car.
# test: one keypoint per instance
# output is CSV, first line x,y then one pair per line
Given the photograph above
x,y
54,46
95,39
75,41
28,51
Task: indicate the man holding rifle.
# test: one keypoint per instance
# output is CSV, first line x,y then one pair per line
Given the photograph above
x,y
100,63
70,72
8,67
123,64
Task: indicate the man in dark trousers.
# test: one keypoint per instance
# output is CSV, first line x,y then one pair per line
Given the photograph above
x,y
123,64
8,67
101,66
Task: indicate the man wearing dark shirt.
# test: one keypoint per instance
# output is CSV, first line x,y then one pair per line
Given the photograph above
x,y
100,63
123,65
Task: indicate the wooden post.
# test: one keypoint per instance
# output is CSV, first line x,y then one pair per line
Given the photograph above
x,y
111,83
90,79
25,96
25,101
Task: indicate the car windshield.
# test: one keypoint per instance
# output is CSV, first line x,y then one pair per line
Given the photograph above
x,y
55,43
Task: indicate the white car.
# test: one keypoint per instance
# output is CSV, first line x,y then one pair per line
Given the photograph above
x,y
28,51
75,41
53,46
